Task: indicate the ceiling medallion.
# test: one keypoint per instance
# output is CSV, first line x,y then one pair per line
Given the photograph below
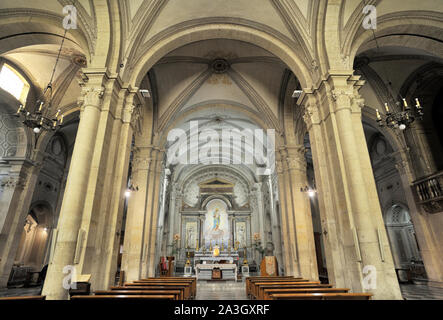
x,y
220,65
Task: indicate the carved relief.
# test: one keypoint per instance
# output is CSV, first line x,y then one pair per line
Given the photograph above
x,y
8,135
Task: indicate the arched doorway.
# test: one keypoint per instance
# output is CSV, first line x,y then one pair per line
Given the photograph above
x,y
404,246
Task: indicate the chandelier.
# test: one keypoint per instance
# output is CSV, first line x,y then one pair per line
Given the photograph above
x,y
400,119
40,118
397,119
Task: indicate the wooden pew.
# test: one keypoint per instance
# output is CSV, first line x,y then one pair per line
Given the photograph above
x,y
187,286
184,295
191,280
260,290
248,280
251,282
266,293
23,298
120,297
177,293
255,285
321,296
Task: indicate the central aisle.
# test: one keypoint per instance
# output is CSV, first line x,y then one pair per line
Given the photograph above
x,y
221,290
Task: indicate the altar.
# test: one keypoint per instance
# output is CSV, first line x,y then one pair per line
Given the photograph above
x,y
228,271
209,258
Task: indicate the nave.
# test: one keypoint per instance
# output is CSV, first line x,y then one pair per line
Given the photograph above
x,y
186,288
207,290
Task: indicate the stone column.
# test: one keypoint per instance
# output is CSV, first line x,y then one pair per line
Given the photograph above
x,y
259,199
155,212
133,246
161,220
76,191
112,226
152,202
301,213
286,248
172,218
276,234
356,241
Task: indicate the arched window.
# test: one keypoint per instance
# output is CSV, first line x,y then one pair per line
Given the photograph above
x,y
13,82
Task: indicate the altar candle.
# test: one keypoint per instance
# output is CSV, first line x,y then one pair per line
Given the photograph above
x,y
387,107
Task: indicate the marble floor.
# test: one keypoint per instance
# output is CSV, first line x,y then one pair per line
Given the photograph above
x,y
226,290
421,292
230,290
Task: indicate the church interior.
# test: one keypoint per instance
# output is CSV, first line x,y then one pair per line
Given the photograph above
x,y
223,149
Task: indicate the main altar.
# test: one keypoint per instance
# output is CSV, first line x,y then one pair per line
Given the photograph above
x,y
206,262
215,213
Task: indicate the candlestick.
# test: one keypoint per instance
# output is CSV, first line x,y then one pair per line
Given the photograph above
x,y
418,103
405,104
378,114
387,107
41,106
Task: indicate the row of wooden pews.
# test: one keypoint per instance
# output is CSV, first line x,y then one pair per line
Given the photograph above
x,y
20,298
290,288
174,288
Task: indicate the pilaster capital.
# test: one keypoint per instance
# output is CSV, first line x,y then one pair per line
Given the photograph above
x,y
295,157
310,110
91,96
141,163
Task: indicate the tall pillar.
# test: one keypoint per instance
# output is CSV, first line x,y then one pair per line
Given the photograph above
x,y
133,246
356,238
301,213
173,209
78,244
161,220
287,252
153,209
276,234
112,223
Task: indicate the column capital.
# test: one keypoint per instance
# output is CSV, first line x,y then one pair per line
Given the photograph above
x,y
338,90
294,156
91,96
